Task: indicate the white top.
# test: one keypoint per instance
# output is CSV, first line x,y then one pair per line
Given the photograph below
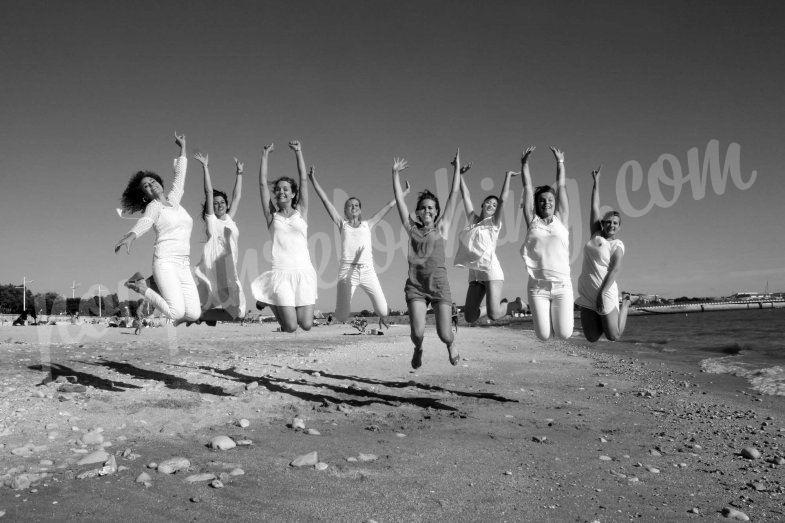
x,y
356,243
477,245
546,250
290,242
597,255
216,230
173,224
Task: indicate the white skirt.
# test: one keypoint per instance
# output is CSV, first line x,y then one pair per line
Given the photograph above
x,y
286,287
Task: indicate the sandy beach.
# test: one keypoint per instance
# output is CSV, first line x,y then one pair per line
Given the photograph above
x,y
520,430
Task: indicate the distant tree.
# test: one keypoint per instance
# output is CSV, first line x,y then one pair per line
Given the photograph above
x,y
11,299
365,313
47,302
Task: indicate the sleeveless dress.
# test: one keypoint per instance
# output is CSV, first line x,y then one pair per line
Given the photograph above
x,y
427,279
477,251
596,258
216,275
292,280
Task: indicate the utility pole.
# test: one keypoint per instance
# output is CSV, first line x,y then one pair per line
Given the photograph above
x,y
99,300
25,283
73,289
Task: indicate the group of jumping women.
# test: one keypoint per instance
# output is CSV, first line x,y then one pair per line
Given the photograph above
x,y
213,291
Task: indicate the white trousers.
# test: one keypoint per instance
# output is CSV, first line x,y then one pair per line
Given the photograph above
x,y
552,308
351,276
179,297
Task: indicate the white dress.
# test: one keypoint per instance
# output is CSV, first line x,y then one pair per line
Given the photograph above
x,y
216,275
477,251
292,280
597,255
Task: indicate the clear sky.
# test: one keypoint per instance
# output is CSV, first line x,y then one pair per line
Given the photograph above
x,y
93,91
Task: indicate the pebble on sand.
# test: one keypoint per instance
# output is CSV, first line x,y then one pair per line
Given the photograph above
x,y
216,483
750,453
243,423
237,472
313,432
99,456
222,443
306,460
321,466
298,423
143,478
732,513
368,457
172,465
92,438
197,478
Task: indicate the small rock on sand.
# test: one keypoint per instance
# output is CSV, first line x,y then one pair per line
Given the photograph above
x,y
143,477
368,457
313,432
237,472
750,453
197,478
243,423
99,456
216,483
172,465
298,423
306,460
321,466
92,438
222,443
732,513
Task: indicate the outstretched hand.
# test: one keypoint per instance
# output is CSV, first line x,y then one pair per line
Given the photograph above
x,y
202,158
464,168
267,149
238,166
408,188
179,140
558,154
399,164
527,152
126,240
295,146
511,173
312,172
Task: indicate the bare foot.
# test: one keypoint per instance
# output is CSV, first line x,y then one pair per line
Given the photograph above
x,y
452,354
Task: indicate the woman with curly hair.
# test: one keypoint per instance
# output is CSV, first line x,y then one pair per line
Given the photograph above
x,y
427,282
289,288
220,291
176,295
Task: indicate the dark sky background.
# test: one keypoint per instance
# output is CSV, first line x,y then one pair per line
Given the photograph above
x,y
93,91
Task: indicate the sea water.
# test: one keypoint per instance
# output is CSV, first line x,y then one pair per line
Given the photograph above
x,y
746,343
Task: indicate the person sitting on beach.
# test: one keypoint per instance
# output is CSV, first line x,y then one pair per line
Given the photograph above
x,y
356,268
289,288
176,295
598,293
427,282
220,291
477,252
546,252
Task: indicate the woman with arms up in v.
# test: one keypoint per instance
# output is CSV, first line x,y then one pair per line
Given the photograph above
x,y
546,252
477,252
356,253
427,282
220,292
289,288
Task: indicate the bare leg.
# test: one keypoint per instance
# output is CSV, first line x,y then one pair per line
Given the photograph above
x,y
417,310
287,317
444,329
614,323
305,316
496,310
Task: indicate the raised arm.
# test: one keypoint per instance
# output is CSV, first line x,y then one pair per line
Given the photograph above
x,y
468,207
562,205
528,189
208,183
268,207
452,199
237,193
497,217
180,168
376,218
399,164
594,216
328,205
143,224
302,200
